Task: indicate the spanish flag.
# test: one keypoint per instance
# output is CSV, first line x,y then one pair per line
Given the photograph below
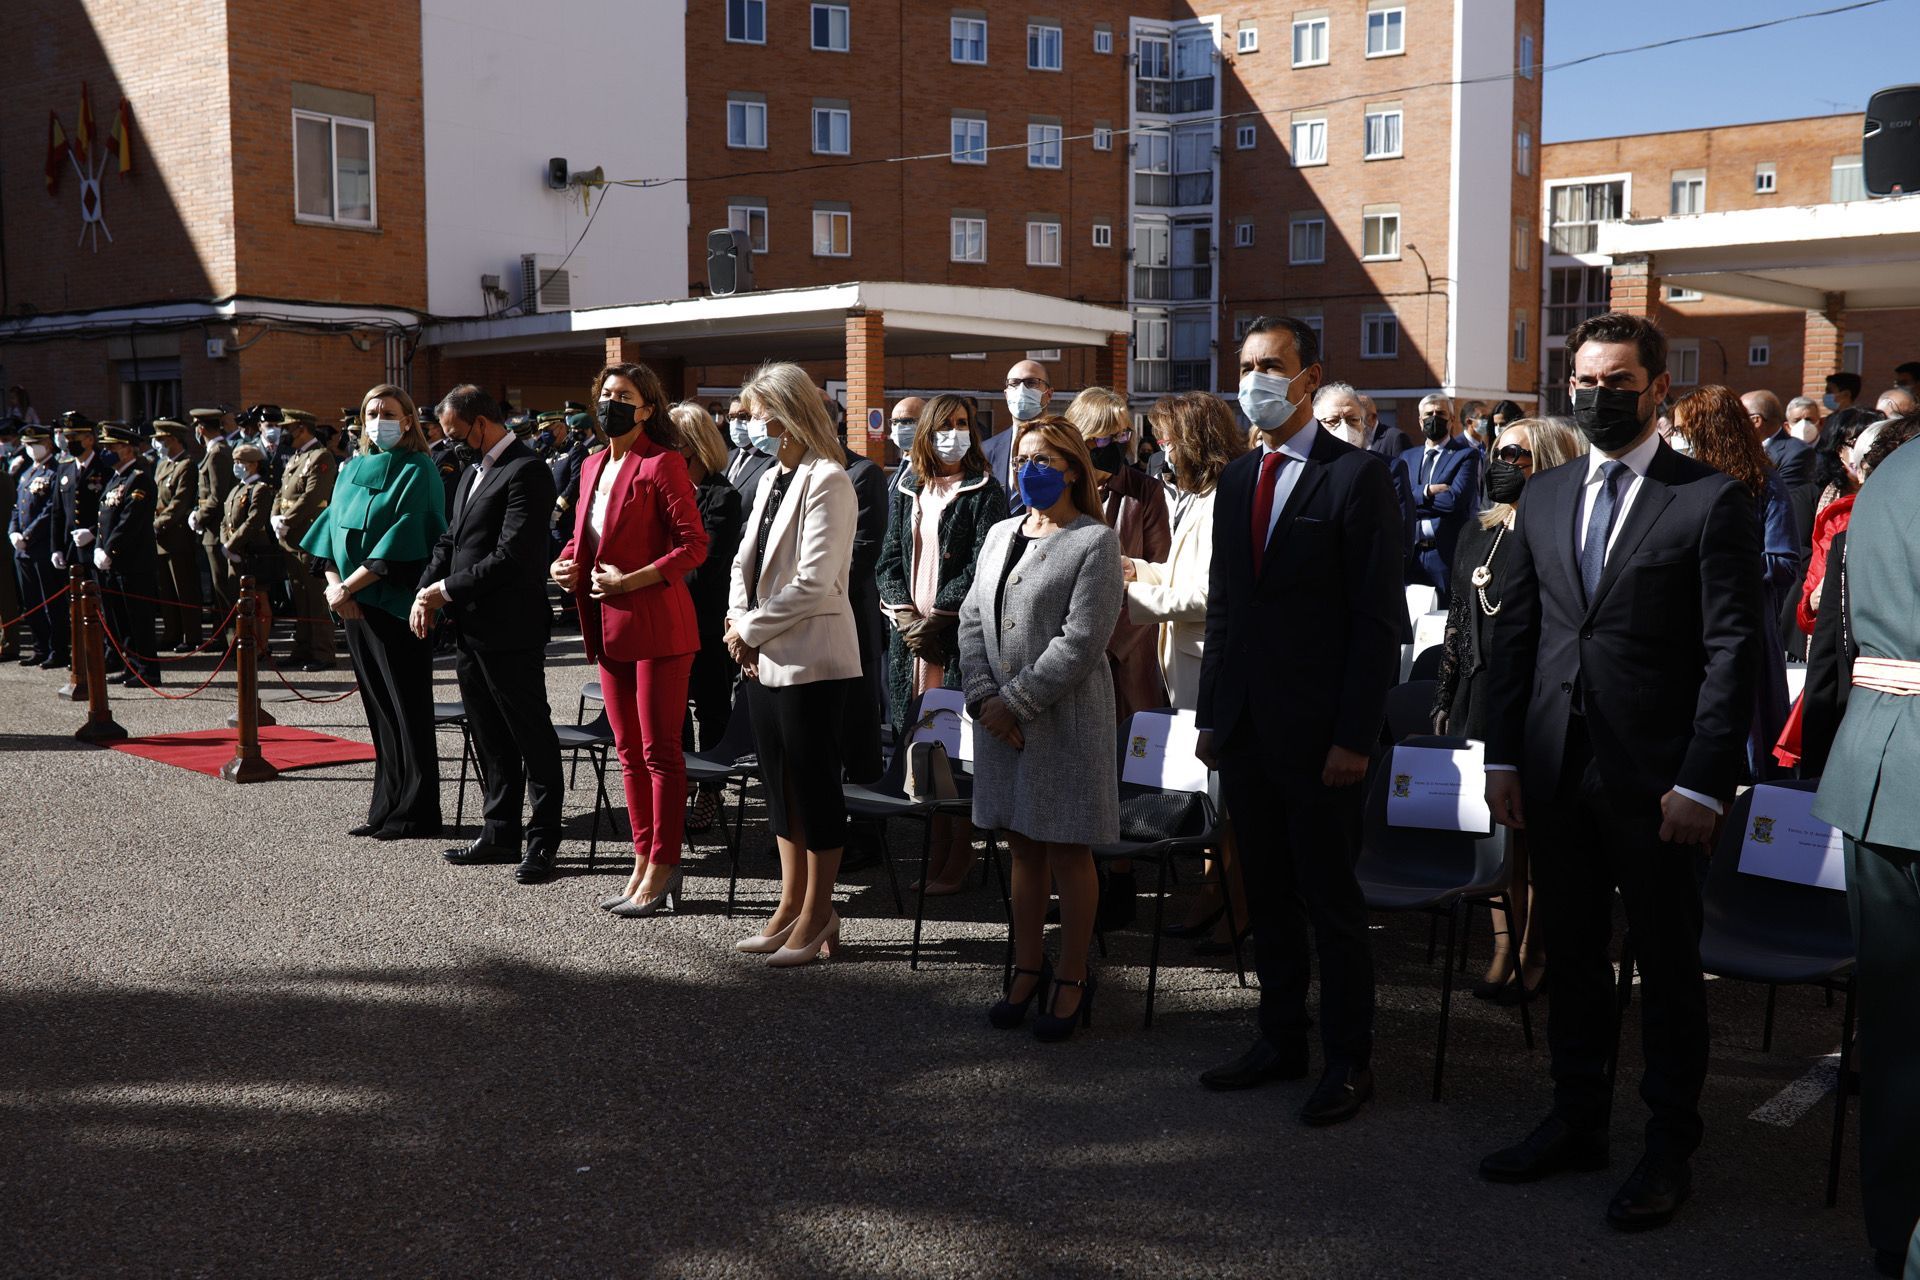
x,y
83,127
56,151
122,135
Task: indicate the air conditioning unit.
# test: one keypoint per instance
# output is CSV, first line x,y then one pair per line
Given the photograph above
x,y
544,285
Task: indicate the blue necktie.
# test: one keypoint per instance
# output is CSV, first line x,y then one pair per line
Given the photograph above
x,y
1426,468
1593,553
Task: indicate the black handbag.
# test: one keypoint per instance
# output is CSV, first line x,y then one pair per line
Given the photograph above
x,y
1162,815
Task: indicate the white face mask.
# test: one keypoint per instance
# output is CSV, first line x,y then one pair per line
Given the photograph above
x,y
1024,403
951,446
1861,447
1680,444
386,432
1355,436
38,451
902,434
1263,398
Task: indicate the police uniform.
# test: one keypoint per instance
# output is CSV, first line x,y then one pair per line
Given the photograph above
x,y
305,489
127,557
30,536
77,497
246,522
213,483
12,462
176,495
446,460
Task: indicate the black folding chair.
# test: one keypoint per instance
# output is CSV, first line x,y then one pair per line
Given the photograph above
x,y
887,798
589,692
1416,869
1426,663
596,742
1774,932
453,715
732,759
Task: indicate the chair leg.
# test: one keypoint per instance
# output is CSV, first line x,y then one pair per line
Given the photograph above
x,y
1840,1090
1766,1032
920,898
1446,1000
466,757
893,875
599,801
1233,925
1153,954
1513,933
1466,933
1433,939
1001,875
739,825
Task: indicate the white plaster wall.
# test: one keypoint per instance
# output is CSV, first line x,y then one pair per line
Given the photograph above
x,y
1479,328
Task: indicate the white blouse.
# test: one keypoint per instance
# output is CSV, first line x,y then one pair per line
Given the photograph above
x,y
602,492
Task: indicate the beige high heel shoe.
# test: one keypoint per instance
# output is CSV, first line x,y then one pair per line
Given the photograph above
x,y
821,947
765,943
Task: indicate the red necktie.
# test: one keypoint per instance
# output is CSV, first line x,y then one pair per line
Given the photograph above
x,y
1263,505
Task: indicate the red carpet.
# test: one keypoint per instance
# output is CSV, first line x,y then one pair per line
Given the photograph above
x,y
285,748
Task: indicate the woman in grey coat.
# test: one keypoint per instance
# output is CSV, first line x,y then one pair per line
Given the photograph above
x,y
1033,635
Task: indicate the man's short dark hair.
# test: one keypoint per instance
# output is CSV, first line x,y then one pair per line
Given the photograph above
x,y
470,404
1843,381
1306,342
1911,368
1617,326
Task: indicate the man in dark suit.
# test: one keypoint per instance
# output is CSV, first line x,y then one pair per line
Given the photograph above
x,y
1793,459
860,748
747,464
1305,617
489,572
1029,391
1623,671
125,553
1443,472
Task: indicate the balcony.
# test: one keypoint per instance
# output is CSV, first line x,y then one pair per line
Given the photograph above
x,y
1149,375
1190,375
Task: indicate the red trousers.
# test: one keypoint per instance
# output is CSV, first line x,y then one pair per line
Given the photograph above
x,y
647,706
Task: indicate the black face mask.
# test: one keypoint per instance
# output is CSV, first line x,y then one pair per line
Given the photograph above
x,y
617,417
1608,418
1504,481
1107,457
1434,427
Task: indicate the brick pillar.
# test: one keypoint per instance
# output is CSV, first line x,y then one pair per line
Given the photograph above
x,y
1633,288
1825,333
1110,363
866,382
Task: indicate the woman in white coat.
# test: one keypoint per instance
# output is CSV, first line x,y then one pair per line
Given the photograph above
x,y
1200,437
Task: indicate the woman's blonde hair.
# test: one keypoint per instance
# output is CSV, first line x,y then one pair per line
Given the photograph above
x,y
1064,438
784,393
1100,413
414,437
1552,441
698,436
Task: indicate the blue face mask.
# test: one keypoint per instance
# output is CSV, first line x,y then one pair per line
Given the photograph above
x,y
757,433
737,432
1831,401
1040,485
240,472
1263,398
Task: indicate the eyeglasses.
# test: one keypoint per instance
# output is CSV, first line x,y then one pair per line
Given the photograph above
x,y
1031,384
740,418
905,422
1513,453
1340,420
1050,462
1122,438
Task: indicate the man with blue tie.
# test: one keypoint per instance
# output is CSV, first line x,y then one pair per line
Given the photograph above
x,y
1443,471
1029,391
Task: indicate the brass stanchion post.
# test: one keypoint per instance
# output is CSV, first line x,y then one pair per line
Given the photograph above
x,y
247,765
75,689
100,725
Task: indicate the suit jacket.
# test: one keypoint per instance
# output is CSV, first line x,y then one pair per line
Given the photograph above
x,y
34,508
1173,594
999,451
801,621
653,518
126,521
178,493
493,555
1867,790
1136,508
724,514
216,481
1457,467
1792,458
747,477
1664,658
1310,647
78,504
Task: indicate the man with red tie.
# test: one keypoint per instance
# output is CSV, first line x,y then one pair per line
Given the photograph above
x,y
1305,618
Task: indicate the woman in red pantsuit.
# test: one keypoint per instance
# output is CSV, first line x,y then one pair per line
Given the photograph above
x,y
637,533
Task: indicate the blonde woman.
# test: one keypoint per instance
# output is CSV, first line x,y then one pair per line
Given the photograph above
x,y
790,629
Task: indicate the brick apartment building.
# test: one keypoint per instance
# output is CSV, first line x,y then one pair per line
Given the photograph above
x,y
1736,342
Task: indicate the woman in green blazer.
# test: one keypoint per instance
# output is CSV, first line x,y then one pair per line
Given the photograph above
x,y
373,538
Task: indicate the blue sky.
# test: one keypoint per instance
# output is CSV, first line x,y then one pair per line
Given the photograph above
x,y
1820,66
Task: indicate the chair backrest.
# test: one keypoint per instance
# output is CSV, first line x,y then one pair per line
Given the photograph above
x,y
1197,820
1804,919
1437,857
1426,663
736,743
1409,710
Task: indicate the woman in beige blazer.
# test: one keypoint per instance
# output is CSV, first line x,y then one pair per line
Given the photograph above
x,y
790,627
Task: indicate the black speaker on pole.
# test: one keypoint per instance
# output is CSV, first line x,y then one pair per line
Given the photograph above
x,y
729,263
1890,141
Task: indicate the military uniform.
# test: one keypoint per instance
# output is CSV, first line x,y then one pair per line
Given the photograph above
x,y
77,498
446,460
13,460
246,522
30,536
305,490
176,496
127,557
213,483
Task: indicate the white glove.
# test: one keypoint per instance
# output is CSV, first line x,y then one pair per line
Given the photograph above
x,y
19,540
101,560
232,556
59,561
193,521
83,537
279,526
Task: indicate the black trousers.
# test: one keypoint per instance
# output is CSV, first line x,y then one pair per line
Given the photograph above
x,y
1883,895
39,580
130,619
709,698
866,693
1299,842
1585,843
505,694
395,671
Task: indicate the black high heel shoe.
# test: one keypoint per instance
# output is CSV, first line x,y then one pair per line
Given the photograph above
x,y
1198,929
1007,1014
1051,1028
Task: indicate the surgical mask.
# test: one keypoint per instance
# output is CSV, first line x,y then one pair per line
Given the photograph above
x,y
1680,444
1040,485
1831,401
240,472
737,432
1107,457
951,446
1608,417
386,432
270,437
1434,427
38,452
1024,403
902,433
1504,481
1350,434
765,443
617,418
1861,447
1263,398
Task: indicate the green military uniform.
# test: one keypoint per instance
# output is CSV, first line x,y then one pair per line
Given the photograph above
x,y
246,522
214,482
1868,793
306,486
176,494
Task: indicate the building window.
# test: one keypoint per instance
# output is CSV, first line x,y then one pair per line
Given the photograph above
x,y
832,233
1379,335
1103,39
1153,73
1525,59
1152,250
752,219
1243,136
1103,235
1247,40
1689,191
1242,323
1153,168
1102,138
1309,142
1764,178
1853,354
1319,326
1849,183
1383,132
1149,353
1046,355
1380,233
747,21
1683,358
1243,234
969,239
832,25
1522,245
333,169
1043,146
1386,32
1309,42
832,130
1577,210
1193,69
1677,294
1192,246
1523,153
1192,368
969,40
1520,337
1045,47
1193,165
1307,241
969,140
746,124
1043,245
1575,294
1759,351
969,355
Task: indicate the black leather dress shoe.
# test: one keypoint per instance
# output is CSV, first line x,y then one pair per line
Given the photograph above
x,y
364,829
535,868
1656,1188
479,852
53,660
1263,1063
1342,1091
1554,1147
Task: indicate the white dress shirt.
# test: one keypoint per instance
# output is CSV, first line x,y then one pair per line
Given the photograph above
x,y
1296,446
603,492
